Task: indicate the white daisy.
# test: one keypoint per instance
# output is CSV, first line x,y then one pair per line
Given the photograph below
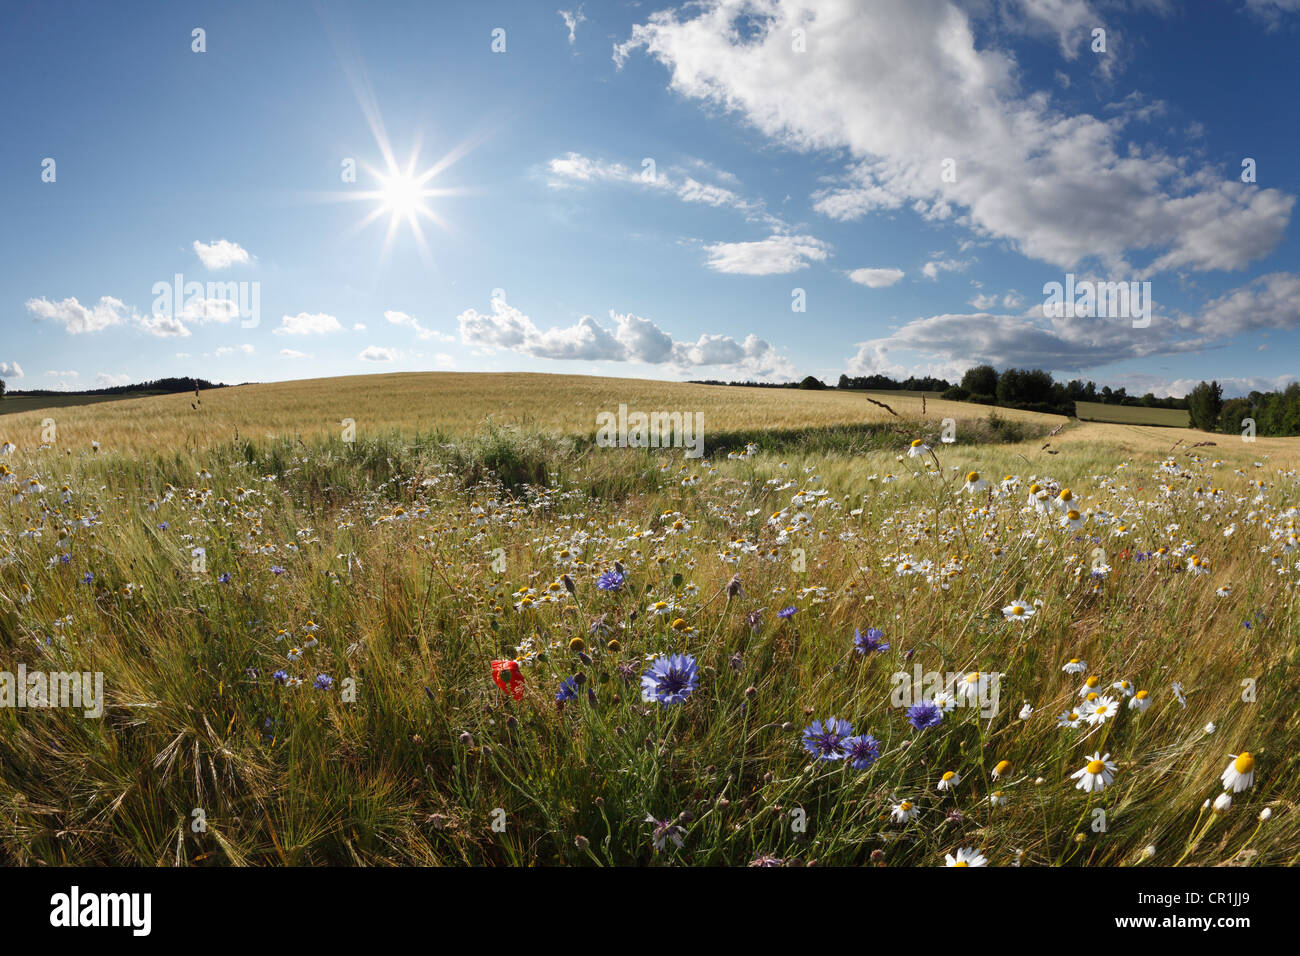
x,y
1096,775
1240,774
965,857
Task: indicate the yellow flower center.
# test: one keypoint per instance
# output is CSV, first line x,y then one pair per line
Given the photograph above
x,y
1141,695
1002,767
1092,681
961,863
905,806
949,775
1244,763
1101,710
917,443
1096,766
973,476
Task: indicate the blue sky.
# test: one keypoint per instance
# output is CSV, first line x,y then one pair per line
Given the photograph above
x,y
911,173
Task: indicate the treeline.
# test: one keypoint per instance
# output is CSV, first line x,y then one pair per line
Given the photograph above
x,y
885,383
1273,413
1029,389
160,386
1035,390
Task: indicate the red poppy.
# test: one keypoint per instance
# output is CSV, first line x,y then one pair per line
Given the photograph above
x,y
508,678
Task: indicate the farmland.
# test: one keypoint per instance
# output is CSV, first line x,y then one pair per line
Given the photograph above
x,y
1132,414
465,633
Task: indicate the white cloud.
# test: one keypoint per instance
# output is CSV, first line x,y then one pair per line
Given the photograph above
x,y
231,350
876,278
12,369
571,20
775,255
902,86
576,169
932,268
633,339
77,318
201,310
292,354
108,311
68,374
221,254
308,323
411,322
377,353
109,380
1269,302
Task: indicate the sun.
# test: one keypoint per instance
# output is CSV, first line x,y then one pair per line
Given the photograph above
x,y
402,195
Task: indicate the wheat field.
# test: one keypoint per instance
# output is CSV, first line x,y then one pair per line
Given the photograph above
x,y
473,636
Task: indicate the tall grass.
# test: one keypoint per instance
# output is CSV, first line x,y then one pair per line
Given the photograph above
x,y
409,553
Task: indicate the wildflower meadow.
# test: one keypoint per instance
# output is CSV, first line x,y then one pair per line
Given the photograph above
x,y
502,645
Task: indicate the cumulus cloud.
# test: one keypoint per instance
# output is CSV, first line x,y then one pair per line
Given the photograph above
x,y
876,278
12,369
78,319
110,379
292,354
633,338
246,349
934,267
377,353
308,323
1269,302
221,254
1071,343
902,87
775,255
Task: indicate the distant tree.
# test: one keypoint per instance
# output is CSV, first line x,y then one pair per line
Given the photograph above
x,y
956,394
2,388
1235,410
1205,404
812,381
980,380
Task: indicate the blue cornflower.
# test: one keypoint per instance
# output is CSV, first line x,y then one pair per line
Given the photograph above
x,y
65,558
568,691
826,741
610,581
324,682
871,641
924,715
276,569
88,578
861,751
281,676
670,679
224,577
786,613
163,525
